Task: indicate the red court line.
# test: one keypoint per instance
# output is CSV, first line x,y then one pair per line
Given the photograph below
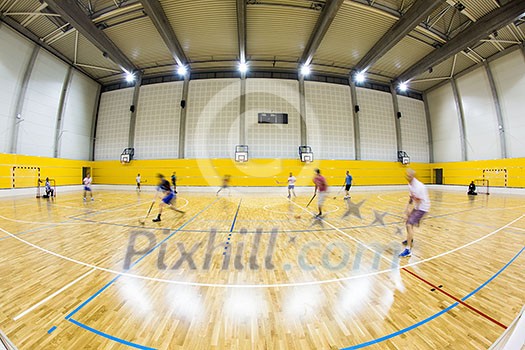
x,y
456,299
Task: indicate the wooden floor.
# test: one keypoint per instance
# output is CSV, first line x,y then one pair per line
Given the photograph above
x,y
256,271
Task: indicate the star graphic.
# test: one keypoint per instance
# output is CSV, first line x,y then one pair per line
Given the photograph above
x,y
317,221
292,239
379,218
353,208
399,231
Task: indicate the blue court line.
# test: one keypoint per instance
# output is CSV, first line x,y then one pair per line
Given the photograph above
x,y
51,330
105,335
235,217
294,231
71,314
428,319
231,229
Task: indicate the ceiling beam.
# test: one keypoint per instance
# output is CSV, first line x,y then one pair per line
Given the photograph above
x,y
72,13
321,27
241,29
481,29
34,38
387,11
156,13
420,10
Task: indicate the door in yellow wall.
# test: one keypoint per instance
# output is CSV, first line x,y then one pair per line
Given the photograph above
x,y
85,171
438,176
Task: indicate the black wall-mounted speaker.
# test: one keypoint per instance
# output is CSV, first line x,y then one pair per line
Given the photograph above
x,y
132,108
356,108
182,103
398,115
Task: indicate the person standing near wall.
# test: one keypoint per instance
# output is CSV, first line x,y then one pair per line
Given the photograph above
x,y
321,188
174,182
87,186
291,186
348,184
138,182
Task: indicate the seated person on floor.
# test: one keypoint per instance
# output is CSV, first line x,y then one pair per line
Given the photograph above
x,y
472,189
49,190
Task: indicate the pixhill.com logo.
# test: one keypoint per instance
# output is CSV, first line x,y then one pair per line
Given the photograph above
x,y
249,251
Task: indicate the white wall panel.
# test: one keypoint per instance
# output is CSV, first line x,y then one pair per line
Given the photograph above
x,y
15,53
158,121
377,125
112,134
272,140
414,132
75,139
445,124
509,77
329,120
212,120
481,123
37,129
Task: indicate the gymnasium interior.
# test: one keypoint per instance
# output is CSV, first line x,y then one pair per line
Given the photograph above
x,y
237,104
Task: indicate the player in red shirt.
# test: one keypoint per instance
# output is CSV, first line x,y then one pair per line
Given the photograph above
x,y
321,188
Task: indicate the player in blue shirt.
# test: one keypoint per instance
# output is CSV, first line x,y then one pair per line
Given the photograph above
x,y
348,184
169,196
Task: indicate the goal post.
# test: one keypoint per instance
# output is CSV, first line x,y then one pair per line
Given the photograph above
x,y
482,186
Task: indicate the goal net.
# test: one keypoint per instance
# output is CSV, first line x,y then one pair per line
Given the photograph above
x,y
25,176
482,186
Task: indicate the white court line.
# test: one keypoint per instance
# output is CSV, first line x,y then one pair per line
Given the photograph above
x,y
275,285
344,233
17,317
517,228
81,221
404,199
266,207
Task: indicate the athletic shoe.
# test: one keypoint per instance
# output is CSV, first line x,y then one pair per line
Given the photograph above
x,y
84,199
405,253
405,242
92,199
288,197
156,220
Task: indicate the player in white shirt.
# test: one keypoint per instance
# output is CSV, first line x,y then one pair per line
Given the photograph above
x,y
138,182
421,205
87,186
291,185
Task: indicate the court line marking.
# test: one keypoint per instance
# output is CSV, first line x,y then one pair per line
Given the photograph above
x,y
517,228
403,200
455,203
275,285
290,231
227,244
51,330
87,301
22,314
109,336
479,312
138,260
235,217
87,222
73,217
430,318
286,213
340,231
